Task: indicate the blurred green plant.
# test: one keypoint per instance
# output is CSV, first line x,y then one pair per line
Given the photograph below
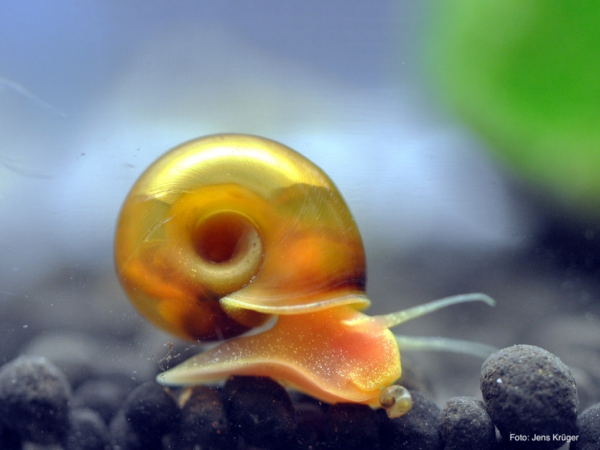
x,y
526,76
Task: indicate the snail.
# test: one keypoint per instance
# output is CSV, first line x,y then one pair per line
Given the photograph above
x,y
222,234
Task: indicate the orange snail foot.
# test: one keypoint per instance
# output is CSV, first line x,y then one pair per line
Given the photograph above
x,y
335,355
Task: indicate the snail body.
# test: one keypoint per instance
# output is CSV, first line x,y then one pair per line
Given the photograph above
x,y
336,355
226,231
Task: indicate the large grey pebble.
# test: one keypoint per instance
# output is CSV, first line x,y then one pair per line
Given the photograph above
x,y
531,397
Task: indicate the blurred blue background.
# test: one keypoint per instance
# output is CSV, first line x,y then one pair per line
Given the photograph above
x,y
92,92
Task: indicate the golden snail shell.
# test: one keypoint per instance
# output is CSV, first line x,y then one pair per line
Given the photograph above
x,y
225,230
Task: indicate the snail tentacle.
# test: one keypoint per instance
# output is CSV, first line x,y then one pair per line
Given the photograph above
x,y
396,318
422,343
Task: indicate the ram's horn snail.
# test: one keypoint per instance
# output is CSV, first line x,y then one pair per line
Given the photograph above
x,y
225,231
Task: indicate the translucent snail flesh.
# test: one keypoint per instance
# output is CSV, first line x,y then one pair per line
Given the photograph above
x,y
226,231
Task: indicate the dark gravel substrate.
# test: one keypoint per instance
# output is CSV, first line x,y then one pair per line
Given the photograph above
x,y
534,397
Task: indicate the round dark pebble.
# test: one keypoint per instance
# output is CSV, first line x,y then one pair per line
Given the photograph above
x,y
465,423
122,436
589,430
204,421
530,394
34,400
151,412
70,352
352,427
419,428
310,418
87,431
260,411
104,396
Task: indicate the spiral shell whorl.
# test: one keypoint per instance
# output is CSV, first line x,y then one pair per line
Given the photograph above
x,y
222,231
